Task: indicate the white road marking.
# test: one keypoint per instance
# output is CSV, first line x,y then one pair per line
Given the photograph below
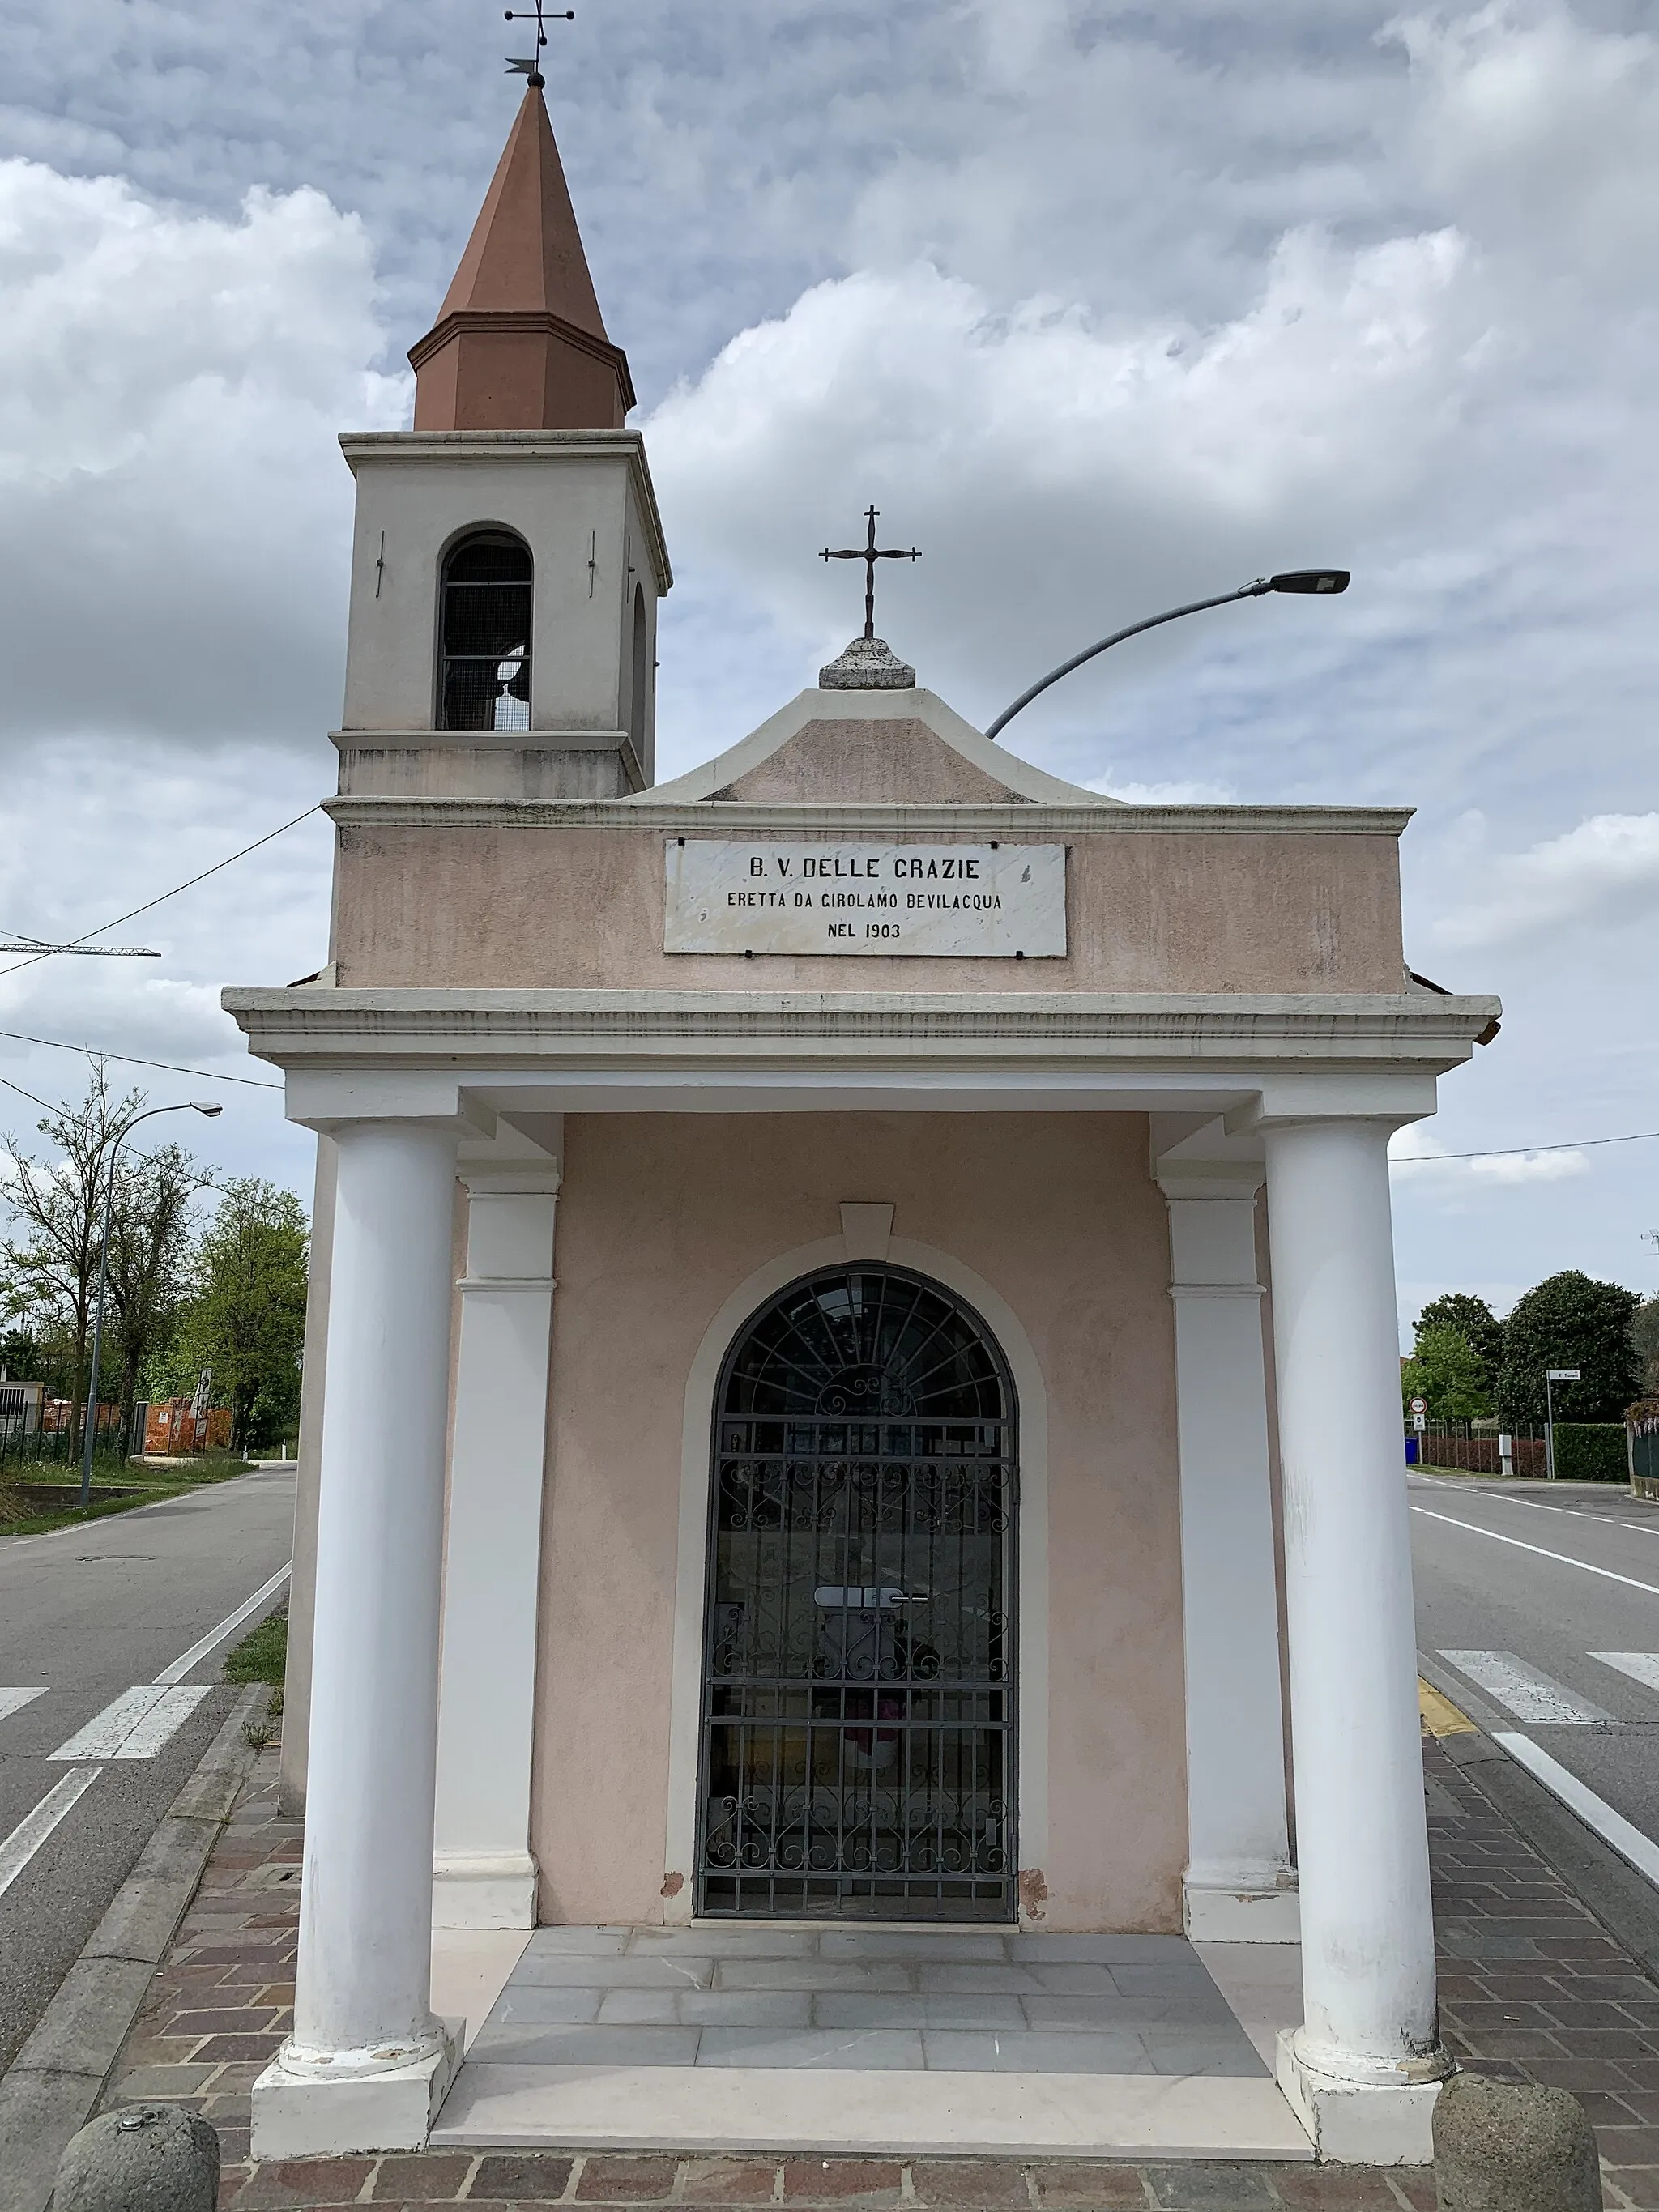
x,y
1565,1558
106,1732
1642,1667
1539,1506
13,1701
162,1722
1527,1695
215,1637
32,1831
1595,1812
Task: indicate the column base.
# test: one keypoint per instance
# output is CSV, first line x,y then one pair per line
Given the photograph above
x,y
298,2115
1358,2123
479,1890
1255,1909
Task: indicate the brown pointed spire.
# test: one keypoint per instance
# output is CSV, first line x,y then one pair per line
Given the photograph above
x,y
520,343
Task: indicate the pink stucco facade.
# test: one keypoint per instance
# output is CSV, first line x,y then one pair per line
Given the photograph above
x,y
662,1218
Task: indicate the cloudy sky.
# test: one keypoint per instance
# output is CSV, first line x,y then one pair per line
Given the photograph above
x,y
1107,307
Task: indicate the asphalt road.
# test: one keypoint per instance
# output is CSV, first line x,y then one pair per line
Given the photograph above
x,y
88,1616
1522,1591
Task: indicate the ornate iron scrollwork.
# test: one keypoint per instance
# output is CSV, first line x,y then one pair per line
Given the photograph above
x,y
858,1707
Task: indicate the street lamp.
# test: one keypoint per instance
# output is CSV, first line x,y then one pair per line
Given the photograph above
x,y
1314,582
187,1106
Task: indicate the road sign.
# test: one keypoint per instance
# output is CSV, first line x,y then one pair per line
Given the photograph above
x,y
1419,1405
1419,1422
1563,1374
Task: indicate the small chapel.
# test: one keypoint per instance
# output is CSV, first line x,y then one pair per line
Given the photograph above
x,y
851,1585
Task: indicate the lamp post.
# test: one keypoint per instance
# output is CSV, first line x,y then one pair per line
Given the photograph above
x,y
188,1106
1312,582
1552,1377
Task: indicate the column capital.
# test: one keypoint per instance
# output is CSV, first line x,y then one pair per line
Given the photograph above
x,y
334,1101
1195,1181
511,1178
1386,1119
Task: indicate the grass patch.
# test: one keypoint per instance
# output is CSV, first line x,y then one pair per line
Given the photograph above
x,y
262,1655
25,1511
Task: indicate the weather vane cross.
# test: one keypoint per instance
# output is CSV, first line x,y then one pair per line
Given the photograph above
x,y
870,553
541,16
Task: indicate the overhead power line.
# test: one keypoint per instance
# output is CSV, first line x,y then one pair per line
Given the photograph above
x,y
133,1060
161,897
1519,1151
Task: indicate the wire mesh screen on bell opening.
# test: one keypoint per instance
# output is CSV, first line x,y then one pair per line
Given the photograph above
x,y
486,635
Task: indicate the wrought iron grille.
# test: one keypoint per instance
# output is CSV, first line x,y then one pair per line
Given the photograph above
x,y
858,1754
485,683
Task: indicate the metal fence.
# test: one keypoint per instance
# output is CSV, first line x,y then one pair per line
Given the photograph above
x,y
37,1435
1456,1446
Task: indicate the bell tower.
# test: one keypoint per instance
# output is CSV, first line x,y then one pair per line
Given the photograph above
x,y
509,556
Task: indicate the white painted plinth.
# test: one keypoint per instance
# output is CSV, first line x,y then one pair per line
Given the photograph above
x,y
1356,2123
305,2113
1267,1914
472,1890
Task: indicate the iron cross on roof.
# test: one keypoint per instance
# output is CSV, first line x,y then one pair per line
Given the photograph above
x,y
870,553
543,15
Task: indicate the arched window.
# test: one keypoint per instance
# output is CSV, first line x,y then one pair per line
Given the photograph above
x,y
639,691
483,675
859,1653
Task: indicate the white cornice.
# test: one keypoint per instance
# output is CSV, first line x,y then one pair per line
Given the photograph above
x,y
462,449
453,1028
728,817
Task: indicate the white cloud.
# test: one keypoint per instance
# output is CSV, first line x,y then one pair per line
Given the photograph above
x,y
1414,1152
1027,440
1106,307
172,523
1188,793
1604,873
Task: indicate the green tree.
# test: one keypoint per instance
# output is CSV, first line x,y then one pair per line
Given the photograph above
x,y
1472,1319
1644,1336
149,1248
1569,1321
246,1318
1448,1372
56,1206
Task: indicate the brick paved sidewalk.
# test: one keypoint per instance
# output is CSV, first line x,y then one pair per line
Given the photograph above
x,y
1532,1988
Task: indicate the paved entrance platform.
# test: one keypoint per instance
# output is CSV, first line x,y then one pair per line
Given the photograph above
x,y
1532,1987
980,2042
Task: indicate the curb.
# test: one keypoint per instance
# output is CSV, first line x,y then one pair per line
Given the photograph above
x,y
1606,1884
51,2087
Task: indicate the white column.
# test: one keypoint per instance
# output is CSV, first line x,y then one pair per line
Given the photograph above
x,y
484,1875
1365,2066
1238,1885
366,2064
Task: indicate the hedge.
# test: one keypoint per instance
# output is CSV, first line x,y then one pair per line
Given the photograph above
x,y
1590,1451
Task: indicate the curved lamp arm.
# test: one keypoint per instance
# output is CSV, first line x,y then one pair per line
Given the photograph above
x,y
1312,581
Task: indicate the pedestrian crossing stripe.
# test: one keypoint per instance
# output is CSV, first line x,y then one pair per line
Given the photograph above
x,y
1525,1691
138,1724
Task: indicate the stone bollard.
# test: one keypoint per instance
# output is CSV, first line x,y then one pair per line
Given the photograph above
x,y
1513,2147
145,2158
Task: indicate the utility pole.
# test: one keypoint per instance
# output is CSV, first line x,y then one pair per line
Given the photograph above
x,y
1552,1375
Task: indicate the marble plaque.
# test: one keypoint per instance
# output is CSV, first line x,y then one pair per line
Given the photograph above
x,y
1001,901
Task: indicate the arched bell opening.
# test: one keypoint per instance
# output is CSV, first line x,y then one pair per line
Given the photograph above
x,y
639,689
486,600
859,1751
